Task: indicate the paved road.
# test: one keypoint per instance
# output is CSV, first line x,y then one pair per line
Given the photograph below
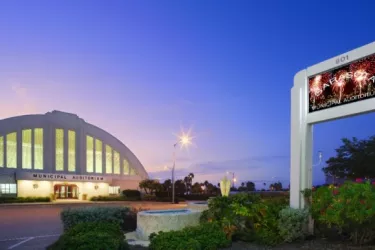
x,y
34,227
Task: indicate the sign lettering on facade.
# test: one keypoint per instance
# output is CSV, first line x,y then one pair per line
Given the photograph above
x,y
60,177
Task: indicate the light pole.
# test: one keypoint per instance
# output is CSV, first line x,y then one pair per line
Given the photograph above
x,y
320,155
233,178
183,140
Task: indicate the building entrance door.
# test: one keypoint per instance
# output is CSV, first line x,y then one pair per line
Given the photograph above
x,y
66,191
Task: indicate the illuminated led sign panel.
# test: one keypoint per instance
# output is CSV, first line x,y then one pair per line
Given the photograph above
x,y
347,84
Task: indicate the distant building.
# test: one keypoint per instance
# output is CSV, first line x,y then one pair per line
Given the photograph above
x,y
60,154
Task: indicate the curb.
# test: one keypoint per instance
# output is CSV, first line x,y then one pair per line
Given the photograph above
x,y
47,204
56,203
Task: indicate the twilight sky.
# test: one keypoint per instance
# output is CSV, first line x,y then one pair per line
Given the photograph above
x,y
142,70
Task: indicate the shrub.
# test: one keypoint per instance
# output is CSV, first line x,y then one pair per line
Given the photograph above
x,y
198,197
273,194
350,208
117,215
204,236
247,217
92,236
129,193
24,199
292,222
107,198
149,197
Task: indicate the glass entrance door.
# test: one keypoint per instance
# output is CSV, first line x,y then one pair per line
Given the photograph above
x,y
66,191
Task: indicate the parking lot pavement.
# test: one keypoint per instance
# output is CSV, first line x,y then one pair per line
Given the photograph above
x,y
28,243
34,227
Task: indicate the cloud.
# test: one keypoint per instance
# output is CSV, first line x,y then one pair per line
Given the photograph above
x,y
258,169
16,100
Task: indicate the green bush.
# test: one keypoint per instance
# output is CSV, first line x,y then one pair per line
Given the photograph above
x,y
292,223
117,215
24,199
107,198
149,197
350,208
92,236
198,197
205,236
247,217
129,193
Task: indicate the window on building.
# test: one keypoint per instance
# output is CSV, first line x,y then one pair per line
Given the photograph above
x,y
108,162
98,156
71,151
11,142
116,162
38,148
126,167
59,149
89,154
132,171
2,163
26,149
114,189
8,188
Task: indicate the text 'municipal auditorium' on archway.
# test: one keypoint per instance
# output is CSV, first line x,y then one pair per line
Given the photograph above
x,y
60,154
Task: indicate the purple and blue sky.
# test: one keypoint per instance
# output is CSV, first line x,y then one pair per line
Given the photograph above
x,y
143,69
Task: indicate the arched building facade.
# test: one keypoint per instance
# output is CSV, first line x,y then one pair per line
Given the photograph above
x,y
60,154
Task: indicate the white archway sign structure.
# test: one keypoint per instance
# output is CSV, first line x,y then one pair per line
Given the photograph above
x,y
340,87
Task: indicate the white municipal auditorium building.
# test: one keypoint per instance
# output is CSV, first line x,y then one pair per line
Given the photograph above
x,y
60,154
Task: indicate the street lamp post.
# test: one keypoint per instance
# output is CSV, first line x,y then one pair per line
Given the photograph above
x,y
320,155
233,178
174,165
183,140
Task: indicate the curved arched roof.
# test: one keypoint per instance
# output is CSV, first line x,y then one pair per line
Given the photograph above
x,y
72,121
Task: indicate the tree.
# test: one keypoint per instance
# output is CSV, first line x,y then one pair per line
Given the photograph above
x,y
277,186
250,186
150,186
188,182
196,188
180,187
354,159
167,186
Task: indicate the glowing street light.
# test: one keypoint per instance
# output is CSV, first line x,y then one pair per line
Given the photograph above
x,y
183,140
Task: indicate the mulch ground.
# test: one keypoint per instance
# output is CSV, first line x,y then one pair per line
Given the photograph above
x,y
307,245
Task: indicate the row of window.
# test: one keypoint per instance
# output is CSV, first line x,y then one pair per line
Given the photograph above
x,y
10,150
33,138
112,158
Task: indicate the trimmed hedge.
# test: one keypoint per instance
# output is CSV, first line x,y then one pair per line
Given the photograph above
x,y
113,198
131,193
198,197
24,199
107,198
92,236
148,197
70,217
